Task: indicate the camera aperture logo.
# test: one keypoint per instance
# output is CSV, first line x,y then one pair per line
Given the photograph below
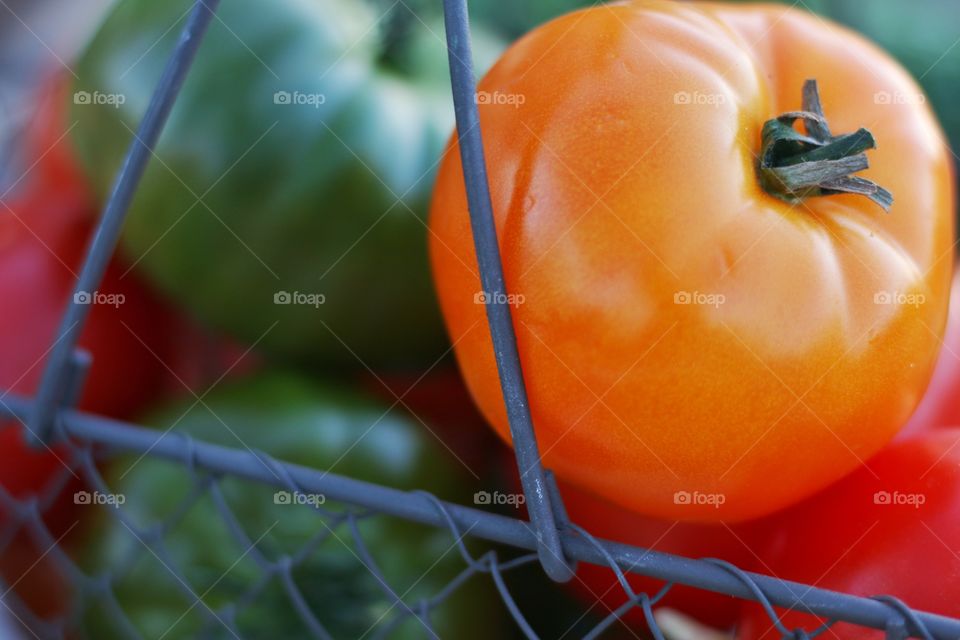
x,y
697,498
102,499
698,98
115,100
498,498
898,97
899,298
699,298
297,498
512,299
299,298
95,297
499,98
898,499
299,98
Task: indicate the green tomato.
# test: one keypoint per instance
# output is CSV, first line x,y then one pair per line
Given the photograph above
x,y
300,421
287,198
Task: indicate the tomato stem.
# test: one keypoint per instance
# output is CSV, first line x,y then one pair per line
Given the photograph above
x,y
794,166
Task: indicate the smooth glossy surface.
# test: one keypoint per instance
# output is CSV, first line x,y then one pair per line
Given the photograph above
x,y
685,337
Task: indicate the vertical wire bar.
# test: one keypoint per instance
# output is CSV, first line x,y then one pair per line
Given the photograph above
x,y
100,249
492,280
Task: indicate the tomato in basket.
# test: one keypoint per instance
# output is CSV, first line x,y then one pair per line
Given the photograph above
x,y
46,218
305,422
286,205
891,528
940,406
600,587
702,301
142,350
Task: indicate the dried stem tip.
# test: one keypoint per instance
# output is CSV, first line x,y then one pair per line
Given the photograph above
x,y
794,166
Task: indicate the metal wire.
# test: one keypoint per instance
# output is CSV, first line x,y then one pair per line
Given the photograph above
x,y
57,372
222,461
555,542
532,474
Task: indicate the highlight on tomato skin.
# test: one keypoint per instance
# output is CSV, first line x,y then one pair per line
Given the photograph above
x,y
687,329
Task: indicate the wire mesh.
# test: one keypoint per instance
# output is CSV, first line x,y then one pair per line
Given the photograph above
x,y
210,475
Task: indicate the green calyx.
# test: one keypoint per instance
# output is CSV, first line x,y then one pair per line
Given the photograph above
x,y
795,165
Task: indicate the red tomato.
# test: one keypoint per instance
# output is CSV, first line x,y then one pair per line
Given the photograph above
x,y
892,528
599,586
940,406
45,223
141,348
595,584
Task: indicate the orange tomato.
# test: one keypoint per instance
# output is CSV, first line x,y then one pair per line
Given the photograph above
x,y
940,406
694,346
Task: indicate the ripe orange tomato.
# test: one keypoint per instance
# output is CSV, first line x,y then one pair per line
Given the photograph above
x,y
695,346
941,403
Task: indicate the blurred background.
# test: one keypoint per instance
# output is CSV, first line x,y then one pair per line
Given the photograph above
x,y
35,37
923,34
44,38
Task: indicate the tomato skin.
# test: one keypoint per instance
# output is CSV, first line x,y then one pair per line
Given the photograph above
x,y
142,349
346,182
614,204
44,228
599,588
851,538
940,406
45,219
603,519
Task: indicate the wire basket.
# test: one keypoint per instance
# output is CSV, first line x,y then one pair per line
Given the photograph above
x,y
548,539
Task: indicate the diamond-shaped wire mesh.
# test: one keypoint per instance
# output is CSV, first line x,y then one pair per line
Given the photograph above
x,y
290,557
312,528
227,561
